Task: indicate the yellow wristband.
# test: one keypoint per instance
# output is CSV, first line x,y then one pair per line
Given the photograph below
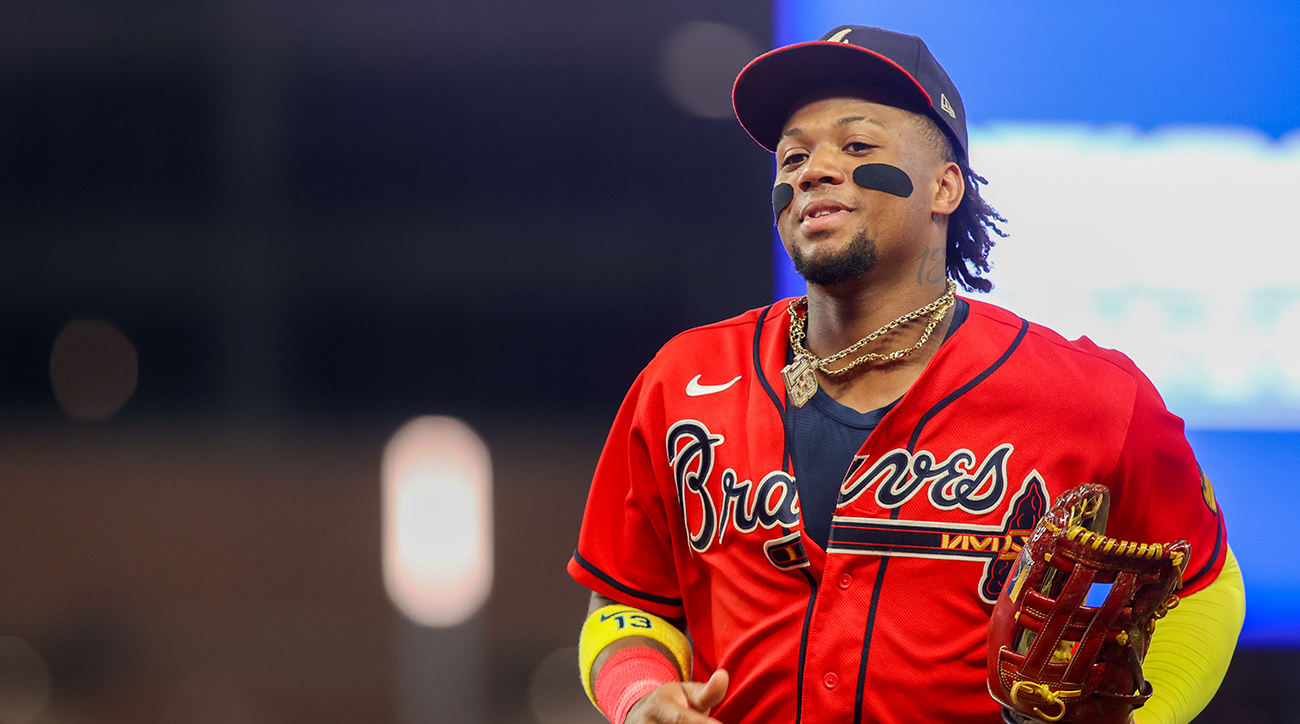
x,y
611,623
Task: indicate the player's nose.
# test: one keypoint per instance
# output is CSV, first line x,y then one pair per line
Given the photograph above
x,y
820,169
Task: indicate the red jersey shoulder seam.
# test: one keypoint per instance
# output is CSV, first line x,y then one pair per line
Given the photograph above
x,y
1047,335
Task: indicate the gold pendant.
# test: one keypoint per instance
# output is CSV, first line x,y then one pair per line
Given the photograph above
x,y
800,381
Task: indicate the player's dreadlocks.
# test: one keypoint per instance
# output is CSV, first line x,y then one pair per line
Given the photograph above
x,y
970,224
968,235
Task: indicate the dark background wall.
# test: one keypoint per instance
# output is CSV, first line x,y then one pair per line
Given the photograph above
x,y
313,221
349,208
309,222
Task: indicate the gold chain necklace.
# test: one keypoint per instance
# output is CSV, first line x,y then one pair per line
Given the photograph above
x,y
800,375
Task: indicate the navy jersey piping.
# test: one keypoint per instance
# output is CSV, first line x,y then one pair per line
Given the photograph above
x,y
788,464
916,434
803,643
762,378
866,640
1218,544
652,598
893,515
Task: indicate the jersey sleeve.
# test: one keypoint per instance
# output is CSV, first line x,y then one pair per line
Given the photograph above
x,y
1159,493
624,548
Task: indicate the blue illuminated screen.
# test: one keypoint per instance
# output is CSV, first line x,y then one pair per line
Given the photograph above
x,y
1145,155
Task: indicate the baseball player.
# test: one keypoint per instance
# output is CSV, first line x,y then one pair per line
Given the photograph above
x,y
806,513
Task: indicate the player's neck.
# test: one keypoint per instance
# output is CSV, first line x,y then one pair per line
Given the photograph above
x,y
840,316
838,319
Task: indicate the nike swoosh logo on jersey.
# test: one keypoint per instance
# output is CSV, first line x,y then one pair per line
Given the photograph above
x,y
695,389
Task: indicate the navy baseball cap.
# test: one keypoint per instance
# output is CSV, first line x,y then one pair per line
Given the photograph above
x,y
767,89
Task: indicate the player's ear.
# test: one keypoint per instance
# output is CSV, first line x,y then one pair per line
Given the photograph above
x,y
947,189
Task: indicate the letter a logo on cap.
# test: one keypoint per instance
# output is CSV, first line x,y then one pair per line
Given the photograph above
x,y
840,37
946,106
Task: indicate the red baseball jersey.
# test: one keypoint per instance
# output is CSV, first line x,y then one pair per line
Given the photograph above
x,y
693,513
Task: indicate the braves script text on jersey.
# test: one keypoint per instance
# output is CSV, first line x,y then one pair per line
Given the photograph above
x,y
693,512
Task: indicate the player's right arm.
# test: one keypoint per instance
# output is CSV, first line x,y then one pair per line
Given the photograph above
x,y
638,679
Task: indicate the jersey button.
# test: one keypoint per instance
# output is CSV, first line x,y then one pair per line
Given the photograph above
x,y
831,680
845,581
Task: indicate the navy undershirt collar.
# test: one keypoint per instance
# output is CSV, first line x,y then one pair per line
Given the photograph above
x,y
825,437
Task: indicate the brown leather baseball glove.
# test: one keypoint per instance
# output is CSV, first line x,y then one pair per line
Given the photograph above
x,y
1052,656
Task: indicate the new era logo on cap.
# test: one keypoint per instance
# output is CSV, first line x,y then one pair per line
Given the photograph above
x,y
946,106
841,37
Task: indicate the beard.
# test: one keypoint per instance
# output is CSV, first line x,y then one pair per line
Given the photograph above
x,y
828,270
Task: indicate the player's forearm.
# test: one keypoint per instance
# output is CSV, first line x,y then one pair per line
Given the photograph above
x,y
1191,649
625,653
598,602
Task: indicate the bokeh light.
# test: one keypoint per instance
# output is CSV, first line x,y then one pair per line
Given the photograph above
x,y
698,63
93,369
437,521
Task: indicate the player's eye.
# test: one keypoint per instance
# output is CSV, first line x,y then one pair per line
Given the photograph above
x,y
793,159
857,147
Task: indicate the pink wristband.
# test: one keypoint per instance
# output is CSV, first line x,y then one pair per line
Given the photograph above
x,y
629,674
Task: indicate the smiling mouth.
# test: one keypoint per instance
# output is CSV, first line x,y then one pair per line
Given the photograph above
x,y
824,212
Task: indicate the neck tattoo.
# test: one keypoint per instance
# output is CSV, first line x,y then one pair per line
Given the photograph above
x,y
800,375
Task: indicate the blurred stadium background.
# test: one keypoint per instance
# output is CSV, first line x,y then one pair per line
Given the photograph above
x,y
243,243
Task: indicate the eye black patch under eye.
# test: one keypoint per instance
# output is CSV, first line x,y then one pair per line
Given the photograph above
x,y
782,195
883,177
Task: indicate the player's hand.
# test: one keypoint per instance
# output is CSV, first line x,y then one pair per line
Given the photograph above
x,y
687,702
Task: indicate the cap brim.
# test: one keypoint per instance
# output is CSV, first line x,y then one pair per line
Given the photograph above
x,y
767,89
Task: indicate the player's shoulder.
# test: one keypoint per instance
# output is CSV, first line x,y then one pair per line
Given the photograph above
x,y
1043,340
1068,364
729,340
